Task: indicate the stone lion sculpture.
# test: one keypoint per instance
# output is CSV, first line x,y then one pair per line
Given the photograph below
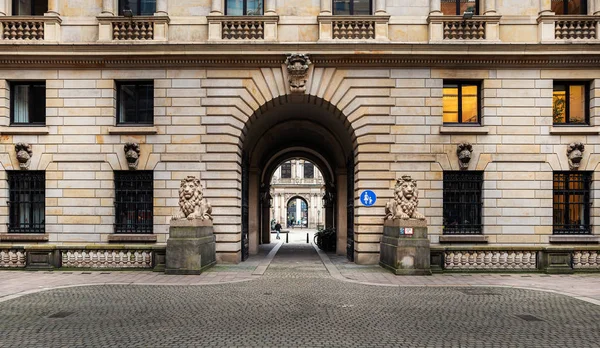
x,y
405,202
24,154
463,151
192,203
132,154
575,154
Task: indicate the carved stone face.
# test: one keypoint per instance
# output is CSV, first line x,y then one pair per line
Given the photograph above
x,y
575,154
408,189
189,187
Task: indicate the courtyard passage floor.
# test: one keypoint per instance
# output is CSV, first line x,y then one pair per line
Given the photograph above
x,y
292,296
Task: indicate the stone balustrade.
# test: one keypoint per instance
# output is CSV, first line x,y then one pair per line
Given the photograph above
x,y
554,28
353,28
443,28
139,28
30,28
238,28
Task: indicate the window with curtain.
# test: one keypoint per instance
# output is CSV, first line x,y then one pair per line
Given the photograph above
x,y
461,102
135,100
28,103
571,103
29,7
138,7
458,7
352,7
27,201
244,7
569,7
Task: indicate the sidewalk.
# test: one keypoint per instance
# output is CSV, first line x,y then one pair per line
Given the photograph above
x,y
18,283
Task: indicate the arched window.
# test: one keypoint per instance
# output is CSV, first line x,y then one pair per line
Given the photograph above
x,y
458,7
352,7
29,7
569,7
244,7
137,7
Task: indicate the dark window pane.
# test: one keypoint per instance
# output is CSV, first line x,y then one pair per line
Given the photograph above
x,y
147,7
29,7
462,202
341,7
27,192
235,8
28,102
134,194
362,7
558,6
20,103
40,7
136,102
146,103
38,106
309,170
286,170
127,107
254,7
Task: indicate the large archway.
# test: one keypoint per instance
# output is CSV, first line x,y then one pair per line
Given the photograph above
x,y
298,127
297,212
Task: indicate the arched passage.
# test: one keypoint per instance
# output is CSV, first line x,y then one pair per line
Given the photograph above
x,y
304,127
297,212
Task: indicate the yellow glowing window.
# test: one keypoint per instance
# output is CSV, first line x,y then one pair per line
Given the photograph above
x,y
570,103
461,102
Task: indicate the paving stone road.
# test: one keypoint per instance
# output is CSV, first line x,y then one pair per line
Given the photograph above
x,y
296,303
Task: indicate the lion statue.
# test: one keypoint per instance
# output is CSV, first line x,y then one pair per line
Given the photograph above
x,y
575,154
192,203
132,154
463,151
24,154
405,202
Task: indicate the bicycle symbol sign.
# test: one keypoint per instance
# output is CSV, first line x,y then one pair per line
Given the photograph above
x,y
368,198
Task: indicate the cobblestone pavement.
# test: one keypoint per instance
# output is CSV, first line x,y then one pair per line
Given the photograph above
x,y
297,303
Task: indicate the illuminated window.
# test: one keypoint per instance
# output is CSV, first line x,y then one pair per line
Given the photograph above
x,y
458,7
571,202
244,8
569,7
461,102
570,103
352,7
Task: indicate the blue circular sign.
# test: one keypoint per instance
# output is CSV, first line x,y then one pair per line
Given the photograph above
x,y
368,198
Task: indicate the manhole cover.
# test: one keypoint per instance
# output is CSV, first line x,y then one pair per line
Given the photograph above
x,y
528,317
62,314
477,292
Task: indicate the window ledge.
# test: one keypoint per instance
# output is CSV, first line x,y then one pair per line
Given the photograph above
x,y
23,237
24,130
464,130
125,130
132,238
463,239
574,239
583,130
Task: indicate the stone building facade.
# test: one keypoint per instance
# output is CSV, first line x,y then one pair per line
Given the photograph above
x,y
368,94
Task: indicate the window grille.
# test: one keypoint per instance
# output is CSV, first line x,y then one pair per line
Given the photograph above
x,y
28,103
27,195
134,201
571,202
135,100
462,202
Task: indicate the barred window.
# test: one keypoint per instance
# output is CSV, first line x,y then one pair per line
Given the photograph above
x,y
134,195
571,202
462,202
286,170
244,8
137,7
309,170
135,100
27,191
29,7
352,7
28,103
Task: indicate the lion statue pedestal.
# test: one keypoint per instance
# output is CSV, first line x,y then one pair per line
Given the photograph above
x,y
404,246
191,243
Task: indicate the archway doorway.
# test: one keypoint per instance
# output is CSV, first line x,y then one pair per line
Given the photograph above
x,y
297,212
308,128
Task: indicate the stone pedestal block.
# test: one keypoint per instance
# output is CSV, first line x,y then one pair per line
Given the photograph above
x,y
402,253
190,247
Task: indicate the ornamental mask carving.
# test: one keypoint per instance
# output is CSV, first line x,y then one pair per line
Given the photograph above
x,y
405,202
132,154
24,153
575,154
464,151
192,204
297,67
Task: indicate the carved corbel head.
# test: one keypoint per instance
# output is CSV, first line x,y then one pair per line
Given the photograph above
x,y
297,67
132,154
24,154
575,154
464,151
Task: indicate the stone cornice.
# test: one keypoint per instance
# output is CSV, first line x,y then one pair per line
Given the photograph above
x,y
331,55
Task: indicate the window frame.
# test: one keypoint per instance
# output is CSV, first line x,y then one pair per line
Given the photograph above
x,y
587,179
31,102
31,227
245,9
569,83
15,6
351,9
460,83
310,165
462,191
282,170
147,225
584,8
139,7
457,8
138,84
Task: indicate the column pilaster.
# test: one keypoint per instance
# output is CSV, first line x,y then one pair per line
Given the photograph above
x,y
326,7
216,8
380,7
